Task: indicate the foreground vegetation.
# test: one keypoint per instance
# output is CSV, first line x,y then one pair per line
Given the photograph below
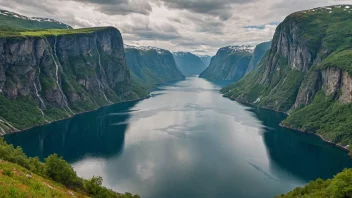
x,y
21,176
338,187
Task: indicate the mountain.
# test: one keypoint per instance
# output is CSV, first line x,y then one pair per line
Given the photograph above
x,y
230,63
259,52
10,21
307,73
188,63
53,74
151,66
206,59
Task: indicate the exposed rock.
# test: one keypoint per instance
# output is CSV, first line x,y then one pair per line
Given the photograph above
x,y
346,88
151,66
230,64
74,72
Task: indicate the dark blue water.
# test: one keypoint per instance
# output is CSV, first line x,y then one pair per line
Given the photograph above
x,y
187,141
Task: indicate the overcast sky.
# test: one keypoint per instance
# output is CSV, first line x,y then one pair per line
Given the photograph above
x,y
199,26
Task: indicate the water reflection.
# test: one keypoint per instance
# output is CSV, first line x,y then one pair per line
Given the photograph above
x,y
99,133
298,152
187,141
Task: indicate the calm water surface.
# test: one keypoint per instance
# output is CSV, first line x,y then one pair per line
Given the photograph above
x,y
187,141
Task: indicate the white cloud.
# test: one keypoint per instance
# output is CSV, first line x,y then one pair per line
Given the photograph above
x,y
198,26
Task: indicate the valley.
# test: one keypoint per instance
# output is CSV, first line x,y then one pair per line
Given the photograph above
x,y
266,117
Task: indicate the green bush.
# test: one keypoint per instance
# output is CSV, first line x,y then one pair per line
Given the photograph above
x,y
60,171
338,187
57,169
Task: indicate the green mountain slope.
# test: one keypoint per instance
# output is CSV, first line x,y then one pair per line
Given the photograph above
x,y
230,63
21,176
307,72
151,66
10,21
189,64
53,74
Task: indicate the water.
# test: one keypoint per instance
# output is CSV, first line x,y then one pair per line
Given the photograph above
x,y
187,141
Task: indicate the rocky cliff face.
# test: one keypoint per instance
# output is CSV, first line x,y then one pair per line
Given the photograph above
x,y
230,64
58,76
189,64
259,52
151,66
306,72
333,81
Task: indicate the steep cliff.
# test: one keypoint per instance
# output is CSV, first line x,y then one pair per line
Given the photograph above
x,y
307,72
188,63
259,52
230,63
53,74
151,66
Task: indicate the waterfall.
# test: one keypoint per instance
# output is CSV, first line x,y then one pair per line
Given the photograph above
x,y
8,124
102,91
41,101
102,71
57,65
37,93
102,74
2,131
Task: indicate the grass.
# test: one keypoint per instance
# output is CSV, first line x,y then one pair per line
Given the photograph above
x,y
16,181
21,176
22,33
57,32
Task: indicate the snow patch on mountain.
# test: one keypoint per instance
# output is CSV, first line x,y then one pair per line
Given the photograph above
x,y
12,14
240,48
146,48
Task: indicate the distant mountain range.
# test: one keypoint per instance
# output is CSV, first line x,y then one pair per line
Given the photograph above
x,y
10,21
206,59
230,63
151,66
188,63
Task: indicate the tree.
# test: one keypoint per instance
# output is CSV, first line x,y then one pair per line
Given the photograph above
x,y
59,170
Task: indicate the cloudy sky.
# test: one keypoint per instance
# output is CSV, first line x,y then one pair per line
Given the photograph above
x,y
199,26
